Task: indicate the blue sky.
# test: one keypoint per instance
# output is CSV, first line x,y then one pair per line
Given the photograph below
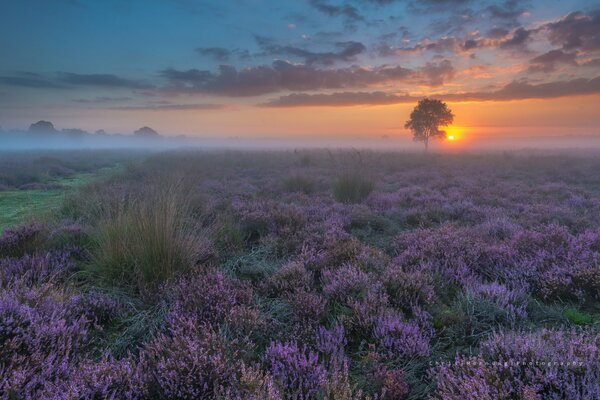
x,y
85,62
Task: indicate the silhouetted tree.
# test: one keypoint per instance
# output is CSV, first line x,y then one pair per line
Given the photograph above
x,y
42,127
426,119
146,132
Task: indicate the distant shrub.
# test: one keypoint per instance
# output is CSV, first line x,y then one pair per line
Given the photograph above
x,y
352,187
299,183
146,242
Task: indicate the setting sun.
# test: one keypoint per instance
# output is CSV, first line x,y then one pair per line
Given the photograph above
x,y
453,133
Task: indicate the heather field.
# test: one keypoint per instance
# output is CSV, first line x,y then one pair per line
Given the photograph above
x,y
306,274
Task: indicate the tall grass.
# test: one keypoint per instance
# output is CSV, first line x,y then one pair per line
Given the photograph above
x,y
352,187
147,239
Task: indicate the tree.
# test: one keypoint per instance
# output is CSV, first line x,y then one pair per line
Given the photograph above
x,y
146,132
42,127
426,119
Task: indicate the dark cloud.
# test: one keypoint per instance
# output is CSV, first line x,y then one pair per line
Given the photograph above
x,y
30,80
279,76
101,100
518,41
508,12
347,52
435,74
338,99
287,76
222,54
497,33
218,53
436,6
576,30
526,90
168,107
102,80
442,45
347,11
517,90
549,61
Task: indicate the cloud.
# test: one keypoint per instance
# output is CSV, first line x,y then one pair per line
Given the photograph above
x,y
508,12
168,107
218,53
101,100
222,54
577,30
435,74
525,90
518,41
339,99
280,76
548,62
30,80
347,52
347,11
436,6
517,90
287,76
102,80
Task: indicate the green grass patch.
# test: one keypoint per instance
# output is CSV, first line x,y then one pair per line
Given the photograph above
x,y
578,317
18,206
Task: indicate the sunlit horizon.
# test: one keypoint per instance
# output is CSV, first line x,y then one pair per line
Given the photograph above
x,y
310,69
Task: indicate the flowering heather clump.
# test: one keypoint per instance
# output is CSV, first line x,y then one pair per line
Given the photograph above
x,y
39,342
191,361
406,289
299,371
400,338
105,379
21,239
209,296
345,283
95,307
543,364
290,277
35,270
332,343
307,307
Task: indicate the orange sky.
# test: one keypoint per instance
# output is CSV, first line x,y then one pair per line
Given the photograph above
x,y
567,115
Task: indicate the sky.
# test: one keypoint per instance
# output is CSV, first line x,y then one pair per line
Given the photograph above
x,y
301,68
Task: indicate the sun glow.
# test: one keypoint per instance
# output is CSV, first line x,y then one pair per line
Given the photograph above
x,y
452,133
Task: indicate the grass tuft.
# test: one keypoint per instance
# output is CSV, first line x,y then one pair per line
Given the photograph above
x,y
352,187
146,240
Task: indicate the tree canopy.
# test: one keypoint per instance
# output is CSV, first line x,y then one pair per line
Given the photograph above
x,y
427,118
